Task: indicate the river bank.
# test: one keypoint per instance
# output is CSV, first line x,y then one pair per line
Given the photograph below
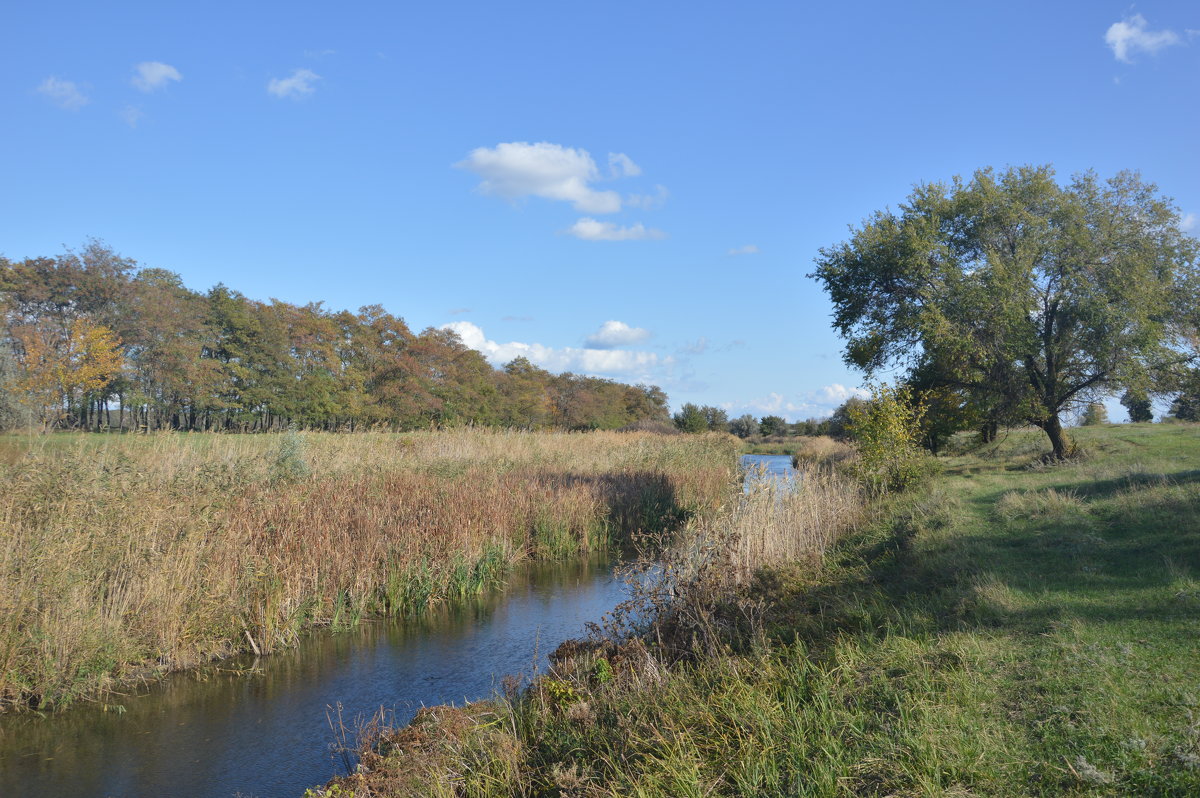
x,y
1008,629
127,557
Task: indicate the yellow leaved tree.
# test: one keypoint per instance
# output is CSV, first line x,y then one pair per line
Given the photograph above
x,y
58,368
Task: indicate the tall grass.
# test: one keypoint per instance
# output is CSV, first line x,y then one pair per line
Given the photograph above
x,y
123,557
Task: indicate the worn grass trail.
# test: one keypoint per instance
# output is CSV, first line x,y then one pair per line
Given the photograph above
x,y
1011,630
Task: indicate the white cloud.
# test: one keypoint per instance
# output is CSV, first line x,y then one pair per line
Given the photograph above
x,y
1188,222
813,404
154,75
613,334
638,365
63,93
837,393
748,249
649,202
300,84
1130,36
621,165
592,230
519,169
131,115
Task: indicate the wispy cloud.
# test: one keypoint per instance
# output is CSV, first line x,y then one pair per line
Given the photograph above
x,y
621,165
458,311
131,115
813,404
1188,222
1131,36
748,249
319,53
649,202
517,169
299,84
63,93
613,334
641,366
154,75
592,230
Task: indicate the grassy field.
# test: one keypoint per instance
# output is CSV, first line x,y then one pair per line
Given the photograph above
x,y
123,557
1012,629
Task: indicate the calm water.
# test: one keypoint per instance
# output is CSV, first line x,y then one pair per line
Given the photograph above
x,y
266,735
775,468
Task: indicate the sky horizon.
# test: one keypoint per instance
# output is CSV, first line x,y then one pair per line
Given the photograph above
x,y
637,194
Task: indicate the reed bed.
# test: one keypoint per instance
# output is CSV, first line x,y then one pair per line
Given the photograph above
x,y
125,557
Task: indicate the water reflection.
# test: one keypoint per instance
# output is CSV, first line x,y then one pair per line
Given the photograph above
x,y
266,735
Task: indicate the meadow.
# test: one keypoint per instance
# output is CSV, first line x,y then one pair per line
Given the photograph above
x,y
1011,628
124,557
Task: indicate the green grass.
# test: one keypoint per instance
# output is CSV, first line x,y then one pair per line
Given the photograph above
x,y
1011,630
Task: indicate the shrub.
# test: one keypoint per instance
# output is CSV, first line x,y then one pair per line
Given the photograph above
x,y
886,429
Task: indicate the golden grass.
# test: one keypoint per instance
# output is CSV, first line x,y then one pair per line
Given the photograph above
x,y
124,556
821,450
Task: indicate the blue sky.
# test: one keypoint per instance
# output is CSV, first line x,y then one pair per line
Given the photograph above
x,y
634,190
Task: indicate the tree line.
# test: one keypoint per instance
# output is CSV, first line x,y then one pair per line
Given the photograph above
x,y
91,340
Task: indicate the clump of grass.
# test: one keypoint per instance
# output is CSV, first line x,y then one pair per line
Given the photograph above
x,y
1048,503
126,556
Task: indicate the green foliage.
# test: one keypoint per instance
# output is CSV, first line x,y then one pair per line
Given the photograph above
x,y
289,464
1018,293
772,425
886,430
1137,403
1093,415
691,418
744,426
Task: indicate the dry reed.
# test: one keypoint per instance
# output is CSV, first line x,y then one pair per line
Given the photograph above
x,y
125,557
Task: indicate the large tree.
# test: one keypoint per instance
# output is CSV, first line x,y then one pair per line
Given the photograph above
x,y
1025,296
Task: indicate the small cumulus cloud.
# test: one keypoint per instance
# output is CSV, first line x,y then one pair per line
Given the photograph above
x,y
748,249
1188,222
154,75
1131,36
299,84
131,115
614,334
63,93
638,365
517,169
590,229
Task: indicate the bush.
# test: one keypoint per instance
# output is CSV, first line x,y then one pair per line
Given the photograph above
x,y
886,429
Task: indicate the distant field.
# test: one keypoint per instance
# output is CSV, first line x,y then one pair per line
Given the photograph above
x,y
124,556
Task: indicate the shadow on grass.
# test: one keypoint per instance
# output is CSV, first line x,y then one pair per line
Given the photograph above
x,y
1114,561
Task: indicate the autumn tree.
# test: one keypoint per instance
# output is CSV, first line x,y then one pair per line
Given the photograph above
x,y
1028,296
57,370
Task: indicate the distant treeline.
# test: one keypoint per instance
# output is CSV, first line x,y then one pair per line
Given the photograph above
x,y
92,341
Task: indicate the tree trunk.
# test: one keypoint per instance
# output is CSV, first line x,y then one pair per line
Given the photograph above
x,y
1058,438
